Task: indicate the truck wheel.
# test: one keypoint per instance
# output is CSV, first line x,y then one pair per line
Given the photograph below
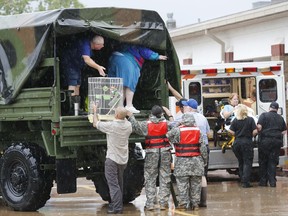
x,y
133,181
102,187
133,178
24,186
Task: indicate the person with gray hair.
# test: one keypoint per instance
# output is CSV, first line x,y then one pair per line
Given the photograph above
x,y
191,106
75,55
117,134
191,157
243,127
158,156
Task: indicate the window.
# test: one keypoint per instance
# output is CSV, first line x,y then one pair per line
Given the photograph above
x,y
195,91
268,90
248,84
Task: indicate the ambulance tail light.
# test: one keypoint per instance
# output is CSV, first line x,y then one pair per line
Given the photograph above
x,y
275,68
250,69
210,71
184,72
229,70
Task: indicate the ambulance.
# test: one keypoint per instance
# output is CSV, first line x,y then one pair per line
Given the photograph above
x,y
256,83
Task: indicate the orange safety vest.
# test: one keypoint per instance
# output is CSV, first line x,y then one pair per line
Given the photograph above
x,y
189,145
156,137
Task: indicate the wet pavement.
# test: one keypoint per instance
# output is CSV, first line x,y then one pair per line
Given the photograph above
x,y
225,197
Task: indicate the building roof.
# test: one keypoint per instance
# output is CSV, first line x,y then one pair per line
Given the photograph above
x,y
235,20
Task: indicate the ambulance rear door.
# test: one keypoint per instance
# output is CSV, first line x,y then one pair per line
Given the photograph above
x,y
270,88
192,88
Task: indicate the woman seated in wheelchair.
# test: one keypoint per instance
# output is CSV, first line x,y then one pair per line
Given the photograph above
x,y
228,111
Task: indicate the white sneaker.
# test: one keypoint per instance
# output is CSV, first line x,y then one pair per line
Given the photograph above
x,y
132,109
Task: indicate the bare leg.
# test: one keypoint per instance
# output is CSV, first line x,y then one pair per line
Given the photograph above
x,y
75,99
129,100
76,90
129,97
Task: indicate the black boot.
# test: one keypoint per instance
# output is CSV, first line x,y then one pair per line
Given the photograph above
x,y
203,197
72,100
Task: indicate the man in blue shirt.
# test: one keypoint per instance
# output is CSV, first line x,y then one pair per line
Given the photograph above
x,y
77,55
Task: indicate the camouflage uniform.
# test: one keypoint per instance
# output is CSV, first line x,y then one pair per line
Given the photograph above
x,y
157,162
188,170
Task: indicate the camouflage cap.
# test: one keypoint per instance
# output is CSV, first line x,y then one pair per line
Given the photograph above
x,y
157,111
188,119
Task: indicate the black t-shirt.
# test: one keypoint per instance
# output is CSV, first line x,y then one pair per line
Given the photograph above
x,y
243,128
272,124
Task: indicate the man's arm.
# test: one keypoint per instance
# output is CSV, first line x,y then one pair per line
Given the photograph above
x,y
90,62
175,93
168,113
203,149
254,132
173,135
95,117
139,128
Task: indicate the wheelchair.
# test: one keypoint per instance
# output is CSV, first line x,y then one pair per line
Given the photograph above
x,y
222,137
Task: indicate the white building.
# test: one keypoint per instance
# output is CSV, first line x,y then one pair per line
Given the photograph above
x,y
257,34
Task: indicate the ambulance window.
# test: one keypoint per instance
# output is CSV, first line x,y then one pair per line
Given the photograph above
x,y
195,91
268,90
247,86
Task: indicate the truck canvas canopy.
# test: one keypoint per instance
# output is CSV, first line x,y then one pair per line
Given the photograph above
x,y
26,39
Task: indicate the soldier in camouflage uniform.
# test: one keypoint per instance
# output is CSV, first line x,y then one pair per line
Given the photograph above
x,y
191,157
158,156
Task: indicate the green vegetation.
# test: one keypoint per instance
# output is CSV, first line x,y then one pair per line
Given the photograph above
x,y
8,7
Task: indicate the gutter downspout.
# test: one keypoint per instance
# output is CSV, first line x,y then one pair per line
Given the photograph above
x,y
213,37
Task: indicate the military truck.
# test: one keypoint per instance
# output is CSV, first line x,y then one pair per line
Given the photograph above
x,y
41,143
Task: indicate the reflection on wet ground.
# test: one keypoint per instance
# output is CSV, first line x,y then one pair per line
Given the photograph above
x,y
225,197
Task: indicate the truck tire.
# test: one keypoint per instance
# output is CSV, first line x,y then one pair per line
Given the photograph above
x,y
133,180
24,186
102,187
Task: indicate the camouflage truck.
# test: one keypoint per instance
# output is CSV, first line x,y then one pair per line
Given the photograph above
x,y
40,142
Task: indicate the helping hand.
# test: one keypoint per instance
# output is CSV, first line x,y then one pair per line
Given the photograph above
x,y
162,57
101,71
95,106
